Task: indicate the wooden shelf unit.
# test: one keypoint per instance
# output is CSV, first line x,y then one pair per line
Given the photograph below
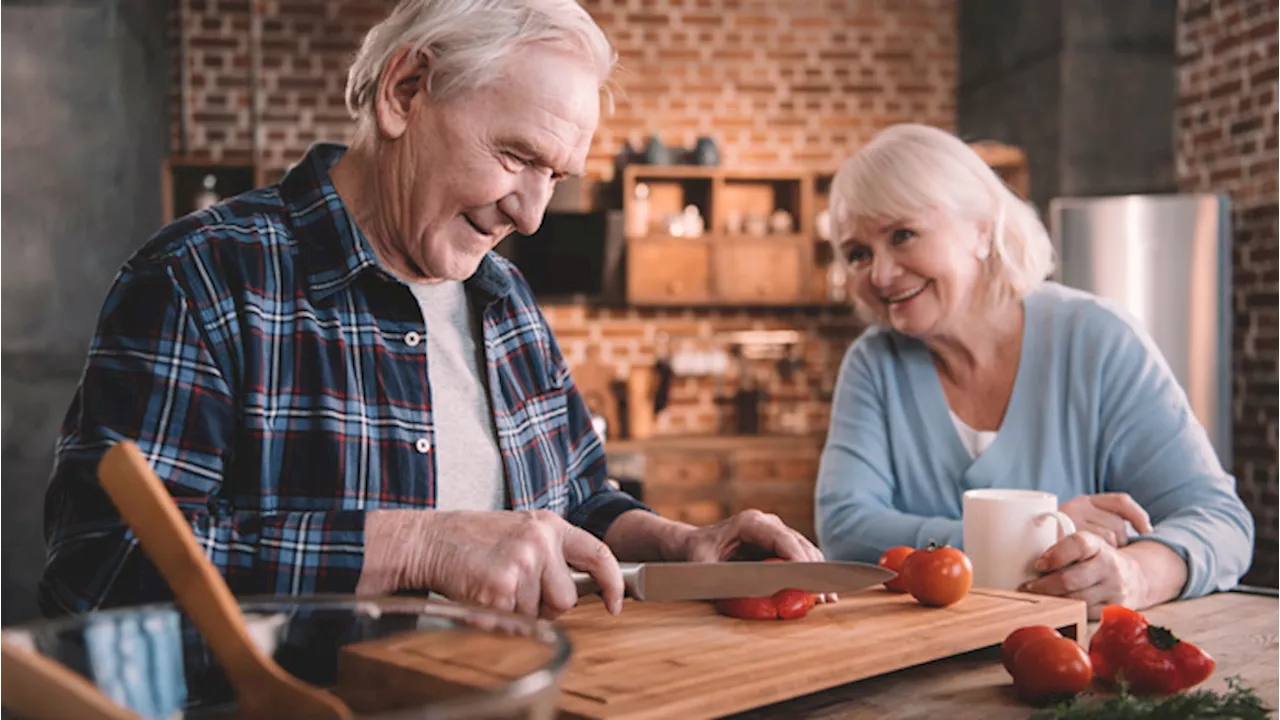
x,y
725,265
727,268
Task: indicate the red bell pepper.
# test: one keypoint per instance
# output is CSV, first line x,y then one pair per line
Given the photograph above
x,y
1151,659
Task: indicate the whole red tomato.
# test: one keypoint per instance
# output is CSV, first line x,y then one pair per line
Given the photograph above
x,y
937,576
892,560
1016,639
1050,668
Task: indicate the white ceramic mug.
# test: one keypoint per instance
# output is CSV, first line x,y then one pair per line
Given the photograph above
x,y
1005,531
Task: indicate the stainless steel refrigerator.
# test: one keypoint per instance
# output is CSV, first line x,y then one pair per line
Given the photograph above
x,y
1166,259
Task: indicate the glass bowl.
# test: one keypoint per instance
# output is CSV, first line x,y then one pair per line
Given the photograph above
x,y
392,658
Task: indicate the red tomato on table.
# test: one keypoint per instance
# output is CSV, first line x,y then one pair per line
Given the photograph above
x,y
937,576
892,559
1050,668
1016,639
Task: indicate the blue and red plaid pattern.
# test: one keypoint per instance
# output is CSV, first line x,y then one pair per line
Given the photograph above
x,y
274,376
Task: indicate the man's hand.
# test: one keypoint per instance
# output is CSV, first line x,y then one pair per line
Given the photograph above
x,y
1105,515
750,534
509,560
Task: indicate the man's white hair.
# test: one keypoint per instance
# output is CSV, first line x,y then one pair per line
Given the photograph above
x,y
470,39
908,168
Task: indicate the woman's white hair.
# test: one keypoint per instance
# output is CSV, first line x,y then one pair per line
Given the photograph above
x,y
908,168
470,39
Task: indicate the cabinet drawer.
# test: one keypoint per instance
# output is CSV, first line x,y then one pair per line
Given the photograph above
x,y
765,271
668,271
679,469
776,467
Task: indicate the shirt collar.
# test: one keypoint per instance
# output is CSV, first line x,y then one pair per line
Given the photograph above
x,y
331,245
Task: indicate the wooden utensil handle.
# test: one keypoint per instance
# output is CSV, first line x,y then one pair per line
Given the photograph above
x,y
151,512
36,687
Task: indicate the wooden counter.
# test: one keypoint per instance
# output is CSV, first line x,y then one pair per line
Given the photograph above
x,y
1239,630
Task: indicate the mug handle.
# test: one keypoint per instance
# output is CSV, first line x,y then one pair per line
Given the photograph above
x,y
1065,525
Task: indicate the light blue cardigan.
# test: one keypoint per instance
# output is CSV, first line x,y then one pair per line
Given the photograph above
x,y
1094,409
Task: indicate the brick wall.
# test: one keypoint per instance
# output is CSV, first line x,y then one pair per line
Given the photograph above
x,y
792,83
1226,141
796,405
796,82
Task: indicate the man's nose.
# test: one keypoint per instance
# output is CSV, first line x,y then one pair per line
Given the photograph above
x,y
528,203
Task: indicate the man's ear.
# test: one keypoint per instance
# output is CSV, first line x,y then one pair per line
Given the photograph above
x,y
403,79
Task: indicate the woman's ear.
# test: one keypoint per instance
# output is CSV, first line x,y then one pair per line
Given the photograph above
x,y
403,78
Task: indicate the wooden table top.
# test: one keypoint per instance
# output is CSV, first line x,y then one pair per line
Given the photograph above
x,y
1238,629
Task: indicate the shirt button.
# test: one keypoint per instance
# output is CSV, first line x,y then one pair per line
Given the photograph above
x,y
412,339
423,445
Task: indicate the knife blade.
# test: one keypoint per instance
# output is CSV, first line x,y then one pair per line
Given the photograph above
x,y
661,582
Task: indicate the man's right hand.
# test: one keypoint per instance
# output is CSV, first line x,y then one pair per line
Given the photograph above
x,y
509,560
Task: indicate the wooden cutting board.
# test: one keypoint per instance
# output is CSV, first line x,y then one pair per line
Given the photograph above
x,y
665,660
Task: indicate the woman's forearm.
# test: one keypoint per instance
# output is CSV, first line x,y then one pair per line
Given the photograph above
x,y
1164,572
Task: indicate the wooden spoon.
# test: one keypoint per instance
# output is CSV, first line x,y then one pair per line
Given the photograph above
x,y
43,689
263,688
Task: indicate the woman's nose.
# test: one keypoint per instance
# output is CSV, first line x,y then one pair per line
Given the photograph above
x,y
883,271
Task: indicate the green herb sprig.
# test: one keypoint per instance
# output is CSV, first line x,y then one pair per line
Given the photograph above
x,y
1239,702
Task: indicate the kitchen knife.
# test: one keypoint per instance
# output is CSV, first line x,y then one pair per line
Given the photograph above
x,y
659,582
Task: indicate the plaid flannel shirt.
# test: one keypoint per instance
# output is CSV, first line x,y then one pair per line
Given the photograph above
x,y
275,377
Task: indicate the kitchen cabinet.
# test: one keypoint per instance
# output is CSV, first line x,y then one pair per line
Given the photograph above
x,y
730,254
668,271
709,236
762,271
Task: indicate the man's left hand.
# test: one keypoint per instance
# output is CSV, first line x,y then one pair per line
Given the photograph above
x,y
750,533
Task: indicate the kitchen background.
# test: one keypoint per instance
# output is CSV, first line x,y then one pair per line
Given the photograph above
x,y
115,112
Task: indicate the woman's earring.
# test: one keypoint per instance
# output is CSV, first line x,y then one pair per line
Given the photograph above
x,y
983,252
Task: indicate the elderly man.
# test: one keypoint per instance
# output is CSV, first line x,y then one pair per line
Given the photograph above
x,y
342,386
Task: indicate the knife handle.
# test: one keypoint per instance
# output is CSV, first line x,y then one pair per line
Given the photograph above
x,y
587,585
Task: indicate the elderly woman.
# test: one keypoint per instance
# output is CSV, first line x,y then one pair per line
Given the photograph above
x,y
341,385
978,373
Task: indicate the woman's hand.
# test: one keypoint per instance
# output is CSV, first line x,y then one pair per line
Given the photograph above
x,y
1087,567
1105,515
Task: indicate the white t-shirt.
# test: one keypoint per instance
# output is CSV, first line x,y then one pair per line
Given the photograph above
x,y
469,470
975,441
